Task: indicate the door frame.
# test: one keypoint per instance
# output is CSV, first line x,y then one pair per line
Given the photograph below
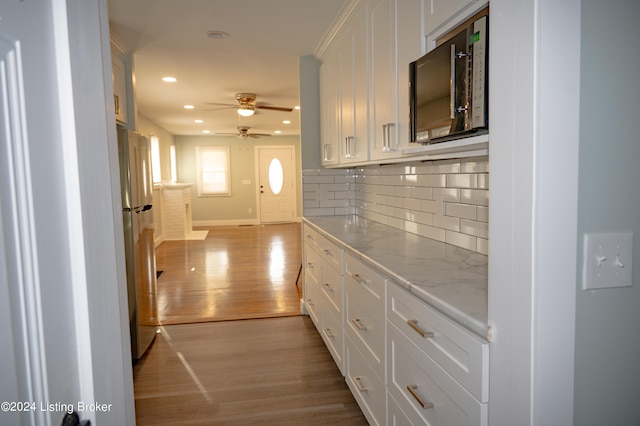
x,y
294,177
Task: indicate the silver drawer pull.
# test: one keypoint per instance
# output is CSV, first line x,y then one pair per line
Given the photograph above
x,y
310,301
327,252
359,385
414,324
328,286
413,390
310,265
358,324
359,279
328,332
310,237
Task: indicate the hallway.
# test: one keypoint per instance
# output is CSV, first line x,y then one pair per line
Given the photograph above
x,y
226,354
236,272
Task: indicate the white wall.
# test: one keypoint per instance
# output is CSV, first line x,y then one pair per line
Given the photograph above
x,y
607,359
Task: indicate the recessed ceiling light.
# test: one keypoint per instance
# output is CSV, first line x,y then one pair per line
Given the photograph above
x,y
286,122
189,107
206,131
277,132
169,79
216,34
198,121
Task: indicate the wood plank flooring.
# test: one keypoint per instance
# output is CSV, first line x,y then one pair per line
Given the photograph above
x,y
237,272
273,371
203,369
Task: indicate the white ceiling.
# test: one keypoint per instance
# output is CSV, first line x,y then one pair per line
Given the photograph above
x,y
260,56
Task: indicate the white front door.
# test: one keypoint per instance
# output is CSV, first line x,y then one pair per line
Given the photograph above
x,y
277,184
62,339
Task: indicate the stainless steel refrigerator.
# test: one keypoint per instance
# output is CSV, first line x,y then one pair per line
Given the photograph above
x,y
137,214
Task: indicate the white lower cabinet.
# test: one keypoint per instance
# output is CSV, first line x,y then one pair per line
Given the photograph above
x,y
366,387
404,362
426,393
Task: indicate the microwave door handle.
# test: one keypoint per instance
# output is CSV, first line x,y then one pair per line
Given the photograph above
x,y
453,82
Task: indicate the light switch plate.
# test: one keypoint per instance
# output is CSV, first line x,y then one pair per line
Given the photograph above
x,y
607,260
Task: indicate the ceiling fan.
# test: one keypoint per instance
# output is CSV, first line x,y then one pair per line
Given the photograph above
x,y
247,105
244,133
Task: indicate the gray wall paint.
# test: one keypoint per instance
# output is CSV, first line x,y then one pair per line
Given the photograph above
x,y
310,104
243,196
607,360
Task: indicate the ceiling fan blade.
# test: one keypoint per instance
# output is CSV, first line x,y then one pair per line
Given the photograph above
x,y
274,108
257,135
221,104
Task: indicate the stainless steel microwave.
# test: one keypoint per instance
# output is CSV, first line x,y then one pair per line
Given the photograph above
x,y
448,94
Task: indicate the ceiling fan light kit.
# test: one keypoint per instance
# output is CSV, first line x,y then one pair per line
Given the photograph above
x,y
246,110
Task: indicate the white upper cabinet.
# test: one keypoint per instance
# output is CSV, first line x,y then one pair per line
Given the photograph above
x,y
354,78
330,110
396,40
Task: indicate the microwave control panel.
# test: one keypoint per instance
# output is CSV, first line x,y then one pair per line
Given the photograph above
x,y
479,43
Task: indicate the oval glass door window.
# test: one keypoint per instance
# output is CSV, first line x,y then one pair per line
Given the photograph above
x,y
276,176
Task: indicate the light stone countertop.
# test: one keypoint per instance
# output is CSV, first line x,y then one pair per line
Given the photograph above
x,y
448,278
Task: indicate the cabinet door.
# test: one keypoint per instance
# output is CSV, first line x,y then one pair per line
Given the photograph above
x,y
396,40
354,78
382,96
330,110
119,89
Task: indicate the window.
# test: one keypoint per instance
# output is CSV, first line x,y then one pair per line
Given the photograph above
x,y
213,170
155,159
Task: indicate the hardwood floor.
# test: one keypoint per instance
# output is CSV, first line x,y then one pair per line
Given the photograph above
x,y
273,371
237,272
203,369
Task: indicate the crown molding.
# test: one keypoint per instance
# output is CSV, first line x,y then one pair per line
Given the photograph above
x,y
345,14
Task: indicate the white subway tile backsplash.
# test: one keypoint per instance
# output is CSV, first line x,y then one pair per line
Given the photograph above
x,y
445,200
464,211
461,240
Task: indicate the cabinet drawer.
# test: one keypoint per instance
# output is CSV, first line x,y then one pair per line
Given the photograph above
x,y
331,253
462,354
310,237
311,263
333,336
365,284
424,391
313,300
331,285
365,386
395,415
365,326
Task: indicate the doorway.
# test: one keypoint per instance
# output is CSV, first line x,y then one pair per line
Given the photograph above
x,y
277,183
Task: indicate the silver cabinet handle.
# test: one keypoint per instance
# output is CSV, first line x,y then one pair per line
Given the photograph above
x,y
359,385
358,324
414,325
310,302
413,390
328,286
384,137
329,333
310,265
327,152
349,144
359,279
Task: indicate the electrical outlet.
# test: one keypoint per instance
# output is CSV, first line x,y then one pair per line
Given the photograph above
x,y
607,260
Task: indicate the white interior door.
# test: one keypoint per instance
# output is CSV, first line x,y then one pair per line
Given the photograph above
x,y
276,182
59,276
